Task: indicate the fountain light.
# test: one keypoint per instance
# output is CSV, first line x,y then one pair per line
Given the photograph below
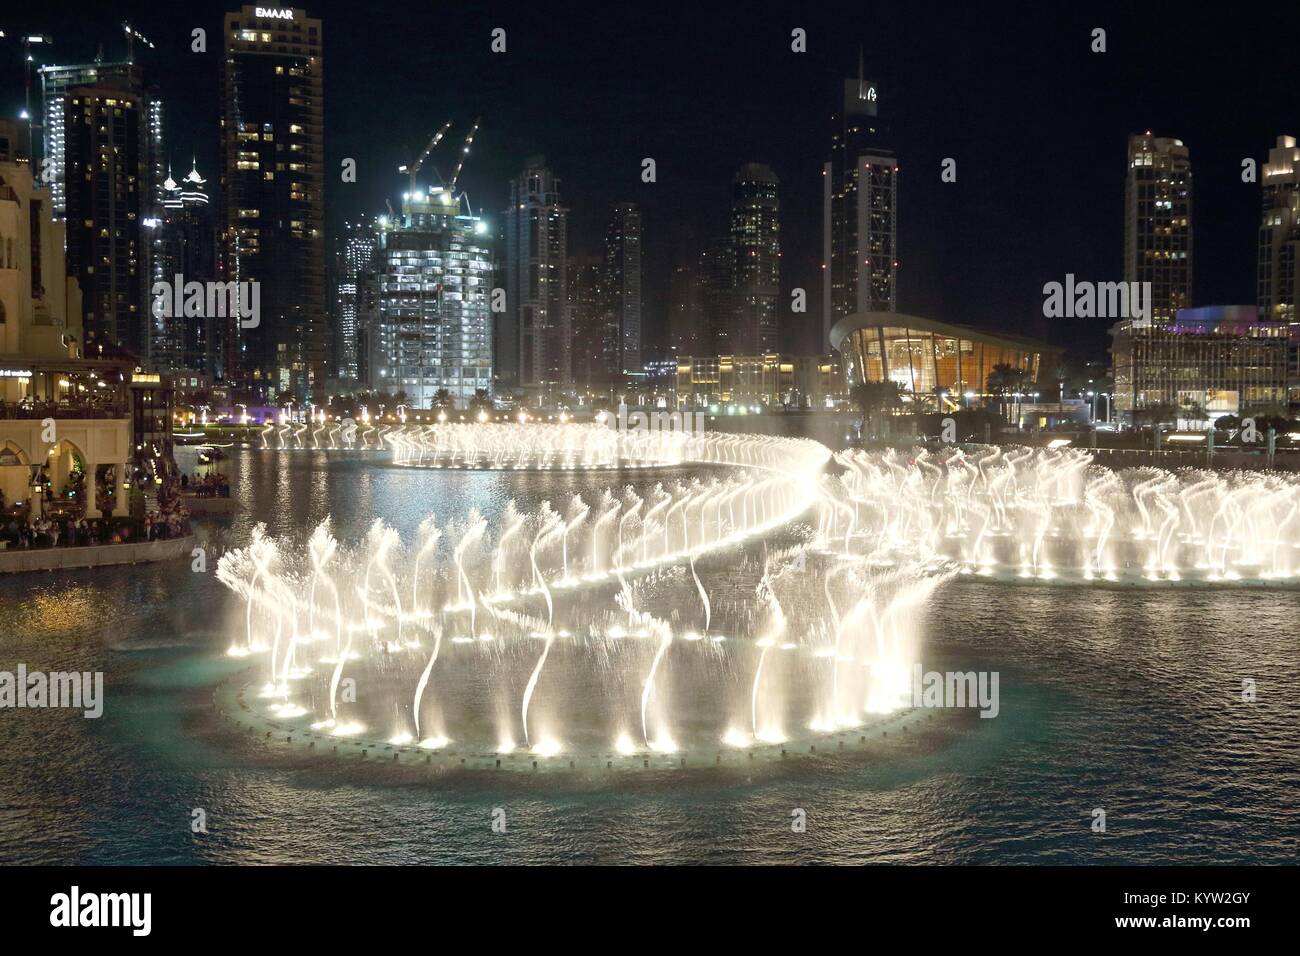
x,y
737,738
547,747
663,744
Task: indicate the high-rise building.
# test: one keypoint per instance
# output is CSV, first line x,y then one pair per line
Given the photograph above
x,y
685,310
106,192
756,251
714,276
353,254
125,75
1158,222
432,322
859,210
589,311
185,241
1279,241
623,285
272,184
534,338
1279,232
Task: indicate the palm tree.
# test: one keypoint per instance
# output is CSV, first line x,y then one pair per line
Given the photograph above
x,y
481,399
1002,379
874,398
441,399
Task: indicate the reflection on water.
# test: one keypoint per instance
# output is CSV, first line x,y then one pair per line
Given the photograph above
x,y
1126,700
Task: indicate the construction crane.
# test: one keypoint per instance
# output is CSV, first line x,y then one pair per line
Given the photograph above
x,y
413,168
451,187
132,34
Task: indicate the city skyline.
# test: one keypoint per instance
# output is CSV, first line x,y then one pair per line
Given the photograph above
x,y
986,267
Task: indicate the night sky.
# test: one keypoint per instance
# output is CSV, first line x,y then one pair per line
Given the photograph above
x,y
1036,122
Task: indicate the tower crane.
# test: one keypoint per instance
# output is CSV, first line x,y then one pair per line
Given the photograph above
x,y
413,168
451,187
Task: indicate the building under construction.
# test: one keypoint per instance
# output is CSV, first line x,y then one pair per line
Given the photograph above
x,y
430,324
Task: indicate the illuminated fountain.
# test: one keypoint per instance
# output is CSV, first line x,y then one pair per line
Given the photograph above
x,y
1054,515
533,446
767,605
583,632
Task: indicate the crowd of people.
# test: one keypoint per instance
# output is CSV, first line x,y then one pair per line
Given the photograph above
x,y
212,485
71,532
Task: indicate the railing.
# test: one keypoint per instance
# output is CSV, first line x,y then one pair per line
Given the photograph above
x,y
13,410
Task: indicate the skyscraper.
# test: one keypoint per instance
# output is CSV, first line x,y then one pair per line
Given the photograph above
x,y
589,311
105,193
715,273
432,324
859,211
534,337
756,248
185,237
623,285
272,183
1158,222
352,260
685,309
1279,232
122,74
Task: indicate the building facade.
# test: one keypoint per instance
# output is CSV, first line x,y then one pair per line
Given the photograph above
x,y
1279,232
1279,241
272,184
927,358
685,309
45,376
769,380
589,305
534,336
623,286
756,262
431,328
185,251
859,211
353,255
1208,362
124,75
106,191
1158,222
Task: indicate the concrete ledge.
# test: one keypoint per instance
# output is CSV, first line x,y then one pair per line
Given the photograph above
x,y
13,560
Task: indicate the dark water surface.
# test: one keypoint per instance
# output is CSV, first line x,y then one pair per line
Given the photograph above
x,y
1124,700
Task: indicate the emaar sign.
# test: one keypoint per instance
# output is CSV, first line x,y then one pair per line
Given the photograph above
x,y
273,13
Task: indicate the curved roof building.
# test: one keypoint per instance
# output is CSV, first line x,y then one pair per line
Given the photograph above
x,y
923,355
